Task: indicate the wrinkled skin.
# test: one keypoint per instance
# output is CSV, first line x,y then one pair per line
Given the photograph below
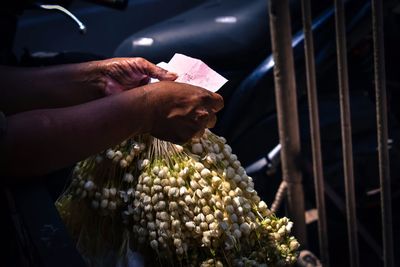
x,y
181,111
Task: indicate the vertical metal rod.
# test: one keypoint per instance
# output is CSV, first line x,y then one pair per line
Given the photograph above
x,y
346,132
382,131
286,101
315,132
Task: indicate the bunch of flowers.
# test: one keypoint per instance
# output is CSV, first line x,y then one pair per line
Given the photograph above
x,y
191,205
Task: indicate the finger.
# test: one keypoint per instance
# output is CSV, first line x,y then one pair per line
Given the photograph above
x,y
201,116
212,120
159,73
216,102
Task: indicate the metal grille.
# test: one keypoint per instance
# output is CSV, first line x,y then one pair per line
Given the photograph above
x,y
286,101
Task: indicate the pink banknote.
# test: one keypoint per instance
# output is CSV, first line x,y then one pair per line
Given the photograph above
x,y
195,72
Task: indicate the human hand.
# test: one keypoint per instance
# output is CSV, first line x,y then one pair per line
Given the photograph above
x,y
118,74
180,111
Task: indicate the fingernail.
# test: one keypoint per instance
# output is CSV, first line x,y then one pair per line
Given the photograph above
x,y
172,73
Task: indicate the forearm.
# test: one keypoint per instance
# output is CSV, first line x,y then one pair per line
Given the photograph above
x,y
41,141
48,87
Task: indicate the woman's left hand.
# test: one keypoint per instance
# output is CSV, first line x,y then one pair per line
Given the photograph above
x,y
118,74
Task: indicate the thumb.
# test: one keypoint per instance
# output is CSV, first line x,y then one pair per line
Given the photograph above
x,y
161,74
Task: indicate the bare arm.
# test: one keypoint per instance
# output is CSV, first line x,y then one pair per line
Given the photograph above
x,y
65,85
40,141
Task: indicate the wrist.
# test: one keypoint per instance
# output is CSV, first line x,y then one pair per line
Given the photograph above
x,y
141,111
90,77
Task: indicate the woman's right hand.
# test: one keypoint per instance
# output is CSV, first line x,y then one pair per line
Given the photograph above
x,y
180,111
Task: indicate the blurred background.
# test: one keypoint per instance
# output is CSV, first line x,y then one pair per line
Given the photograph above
x,y
233,37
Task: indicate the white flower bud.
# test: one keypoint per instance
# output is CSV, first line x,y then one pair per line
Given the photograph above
x,y
154,244
239,211
197,148
184,172
157,188
143,164
204,226
164,225
236,202
211,158
194,185
282,230
245,228
165,182
172,181
203,202
110,154
89,185
198,166
176,224
148,208
147,181
113,192
173,205
237,234
146,200
236,164
293,245
289,227
206,241
177,242
262,206
153,235
188,200
104,203
216,148
216,181
123,163
166,189
149,216
164,216
209,218
230,173
199,193
255,198
205,172
180,181
225,186
233,157
173,192
157,181
230,209
237,178
190,225
182,191
151,226
128,177
207,191
160,206
200,218
112,205
206,210
233,218
118,154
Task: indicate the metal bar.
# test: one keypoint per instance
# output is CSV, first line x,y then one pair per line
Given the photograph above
x,y
315,132
382,131
286,102
364,234
346,132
